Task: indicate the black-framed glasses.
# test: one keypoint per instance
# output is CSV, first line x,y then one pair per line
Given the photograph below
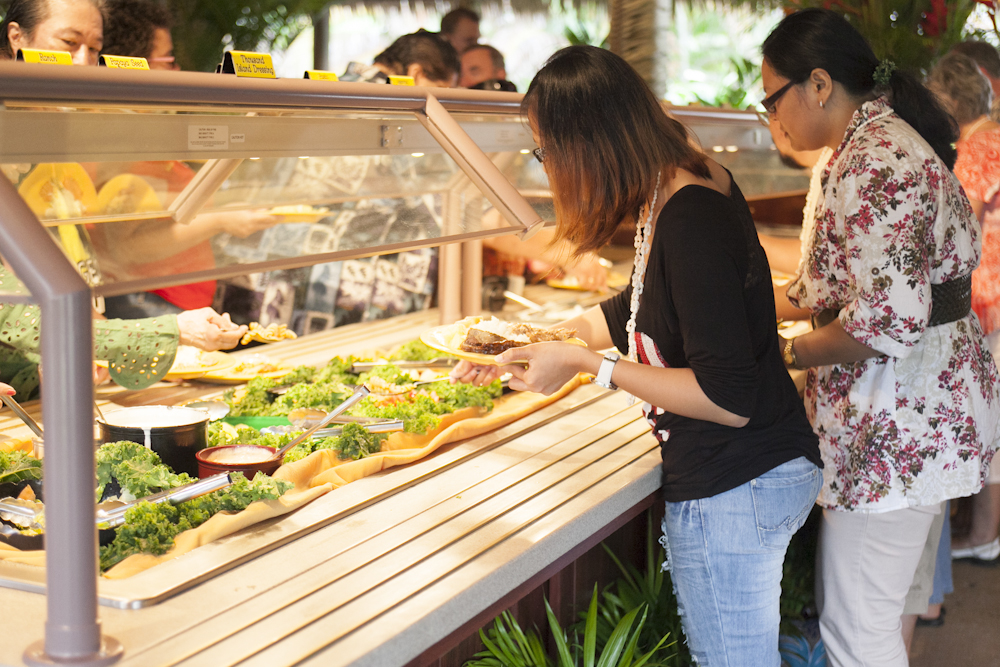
x,y
539,154
770,101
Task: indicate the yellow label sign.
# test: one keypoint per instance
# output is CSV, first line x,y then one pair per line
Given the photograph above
x,y
244,63
320,75
45,57
397,80
124,62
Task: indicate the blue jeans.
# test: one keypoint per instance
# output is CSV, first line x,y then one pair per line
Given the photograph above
x,y
725,556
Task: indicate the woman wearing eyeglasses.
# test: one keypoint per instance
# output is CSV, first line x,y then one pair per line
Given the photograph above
x,y
740,463
902,389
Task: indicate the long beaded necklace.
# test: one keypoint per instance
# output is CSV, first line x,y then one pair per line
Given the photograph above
x,y
642,234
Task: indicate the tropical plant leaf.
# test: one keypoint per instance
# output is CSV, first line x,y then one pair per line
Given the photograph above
x,y
590,634
559,635
619,637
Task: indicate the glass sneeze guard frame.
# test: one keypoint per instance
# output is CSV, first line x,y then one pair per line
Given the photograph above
x,y
72,632
414,120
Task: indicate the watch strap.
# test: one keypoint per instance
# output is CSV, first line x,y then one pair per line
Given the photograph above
x,y
604,373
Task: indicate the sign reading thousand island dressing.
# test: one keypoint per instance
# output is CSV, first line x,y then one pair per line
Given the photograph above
x,y
124,62
245,63
45,57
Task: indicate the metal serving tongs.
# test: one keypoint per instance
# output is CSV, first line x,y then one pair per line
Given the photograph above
x,y
359,393
359,367
303,418
26,513
19,411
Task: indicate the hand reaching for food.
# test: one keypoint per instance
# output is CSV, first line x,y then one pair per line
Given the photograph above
x,y
543,367
208,330
244,223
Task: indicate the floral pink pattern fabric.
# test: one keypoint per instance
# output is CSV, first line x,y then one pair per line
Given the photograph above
x,y
918,424
978,170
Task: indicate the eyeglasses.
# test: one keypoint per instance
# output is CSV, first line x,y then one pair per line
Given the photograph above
x,y
770,101
539,154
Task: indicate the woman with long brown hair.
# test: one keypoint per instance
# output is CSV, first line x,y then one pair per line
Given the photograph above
x,y
740,463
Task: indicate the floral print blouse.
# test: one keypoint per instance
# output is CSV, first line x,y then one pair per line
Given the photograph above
x,y
978,170
918,424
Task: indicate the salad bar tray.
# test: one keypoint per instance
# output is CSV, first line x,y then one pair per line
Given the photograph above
x,y
173,576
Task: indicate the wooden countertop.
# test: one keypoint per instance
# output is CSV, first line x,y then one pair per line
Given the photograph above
x,y
449,536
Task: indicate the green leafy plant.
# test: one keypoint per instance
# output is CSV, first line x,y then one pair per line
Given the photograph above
x,y
913,34
205,29
651,589
507,645
798,581
747,75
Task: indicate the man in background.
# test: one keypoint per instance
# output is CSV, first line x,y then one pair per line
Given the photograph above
x,y
986,56
481,64
460,28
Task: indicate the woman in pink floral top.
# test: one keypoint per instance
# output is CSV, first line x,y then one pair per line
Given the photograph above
x,y
902,390
966,93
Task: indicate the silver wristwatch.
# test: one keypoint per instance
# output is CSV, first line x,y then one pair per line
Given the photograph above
x,y
603,378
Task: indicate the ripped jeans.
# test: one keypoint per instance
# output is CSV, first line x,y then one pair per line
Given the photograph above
x,y
725,556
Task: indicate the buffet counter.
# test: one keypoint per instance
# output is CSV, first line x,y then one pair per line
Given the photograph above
x,y
399,561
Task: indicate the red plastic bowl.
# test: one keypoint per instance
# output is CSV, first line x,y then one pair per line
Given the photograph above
x,y
208,464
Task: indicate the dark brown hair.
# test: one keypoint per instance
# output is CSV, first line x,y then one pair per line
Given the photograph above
x,y
130,26
27,14
605,137
450,21
437,57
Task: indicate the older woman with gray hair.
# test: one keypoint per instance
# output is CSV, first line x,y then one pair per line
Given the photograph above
x,y
966,93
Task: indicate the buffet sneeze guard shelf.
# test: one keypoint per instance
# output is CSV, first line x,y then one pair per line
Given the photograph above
x,y
81,123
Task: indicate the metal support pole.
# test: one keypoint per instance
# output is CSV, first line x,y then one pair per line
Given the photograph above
x,y
450,282
72,630
472,278
321,40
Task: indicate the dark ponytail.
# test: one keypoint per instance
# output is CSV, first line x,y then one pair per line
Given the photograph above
x,y
822,39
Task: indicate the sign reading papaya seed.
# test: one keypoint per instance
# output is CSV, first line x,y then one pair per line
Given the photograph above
x,y
123,62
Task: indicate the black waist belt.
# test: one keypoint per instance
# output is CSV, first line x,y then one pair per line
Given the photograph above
x,y
950,302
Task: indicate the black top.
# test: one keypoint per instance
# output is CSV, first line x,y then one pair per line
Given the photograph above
x,y
707,304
